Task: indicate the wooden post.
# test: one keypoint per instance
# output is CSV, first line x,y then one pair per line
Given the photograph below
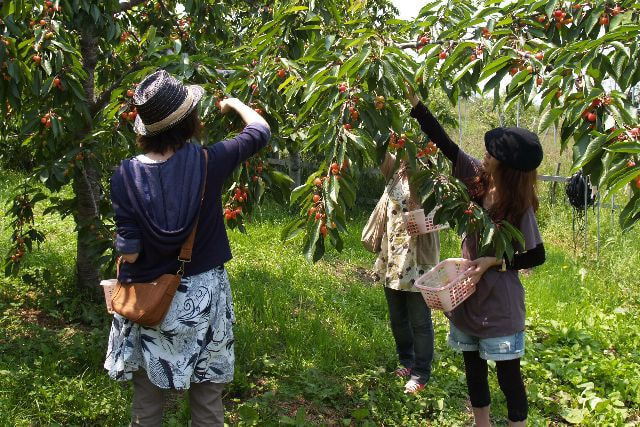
x,y
554,184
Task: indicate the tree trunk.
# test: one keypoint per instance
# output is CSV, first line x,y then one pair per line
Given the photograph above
x,y
86,183
86,186
295,167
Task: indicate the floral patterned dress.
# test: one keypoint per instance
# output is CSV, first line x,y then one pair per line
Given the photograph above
x,y
194,342
397,266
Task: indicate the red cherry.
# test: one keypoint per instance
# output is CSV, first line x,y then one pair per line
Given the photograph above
x,y
631,164
424,40
342,88
36,59
317,182
316,198
604,20
558,14
56,81
282,72
608,100
539,56
591,117
443,55
539,81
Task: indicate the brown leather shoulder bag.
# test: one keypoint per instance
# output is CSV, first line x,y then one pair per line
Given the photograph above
x,y
148,303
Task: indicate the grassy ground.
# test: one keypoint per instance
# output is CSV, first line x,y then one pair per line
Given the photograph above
x,y
313,342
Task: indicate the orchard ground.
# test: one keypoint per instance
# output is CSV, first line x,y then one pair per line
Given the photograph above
x,y
313,342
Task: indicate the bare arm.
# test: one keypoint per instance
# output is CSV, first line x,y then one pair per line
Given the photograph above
x,y
130,258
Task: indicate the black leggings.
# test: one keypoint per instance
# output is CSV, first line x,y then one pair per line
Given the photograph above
x,y
509,378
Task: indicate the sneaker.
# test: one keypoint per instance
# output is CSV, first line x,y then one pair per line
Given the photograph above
x,y
402,372
413,387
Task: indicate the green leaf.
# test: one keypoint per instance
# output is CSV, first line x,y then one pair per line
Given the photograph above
x,y
549,117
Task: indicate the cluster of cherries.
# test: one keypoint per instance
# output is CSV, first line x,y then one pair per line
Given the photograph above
x,y
128,111
254,170
397,141
317,210
25,215
590,113
354,114
429,150
46,119
562,18
234,208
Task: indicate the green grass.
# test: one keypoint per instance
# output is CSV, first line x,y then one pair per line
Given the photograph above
x,y
313,342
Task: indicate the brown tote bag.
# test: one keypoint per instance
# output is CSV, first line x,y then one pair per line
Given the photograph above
x,y
374,229
148,303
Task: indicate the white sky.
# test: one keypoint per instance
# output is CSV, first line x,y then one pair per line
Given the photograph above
x,y
409,8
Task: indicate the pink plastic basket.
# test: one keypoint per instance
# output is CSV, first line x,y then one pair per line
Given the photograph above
x,y
446,285
109,287
419,223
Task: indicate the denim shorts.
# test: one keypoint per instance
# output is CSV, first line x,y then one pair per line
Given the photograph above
x,y
499,348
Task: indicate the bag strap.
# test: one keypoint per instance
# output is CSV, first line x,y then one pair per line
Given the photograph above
x,y
186,250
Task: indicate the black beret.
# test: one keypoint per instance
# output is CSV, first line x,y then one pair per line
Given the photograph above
x,y
518,148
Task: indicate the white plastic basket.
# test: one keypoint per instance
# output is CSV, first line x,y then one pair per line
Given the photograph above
x,y
419,223
109,287
447,285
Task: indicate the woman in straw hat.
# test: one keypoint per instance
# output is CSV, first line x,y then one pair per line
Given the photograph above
x,y
156,198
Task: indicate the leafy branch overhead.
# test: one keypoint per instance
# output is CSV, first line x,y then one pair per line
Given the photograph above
x,y
328,76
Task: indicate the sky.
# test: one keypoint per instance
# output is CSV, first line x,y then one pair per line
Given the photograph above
x,y
409,8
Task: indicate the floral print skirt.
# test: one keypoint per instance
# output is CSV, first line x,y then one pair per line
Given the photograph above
x,y
194,342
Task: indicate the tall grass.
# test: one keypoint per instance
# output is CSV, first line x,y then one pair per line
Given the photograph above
x,y
313,343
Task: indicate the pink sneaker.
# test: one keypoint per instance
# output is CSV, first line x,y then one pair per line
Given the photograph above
x,y
402,372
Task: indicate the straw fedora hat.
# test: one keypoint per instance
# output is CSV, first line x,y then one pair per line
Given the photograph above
x,y
162,101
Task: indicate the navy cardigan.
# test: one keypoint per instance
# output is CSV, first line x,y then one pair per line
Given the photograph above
x,y
156,204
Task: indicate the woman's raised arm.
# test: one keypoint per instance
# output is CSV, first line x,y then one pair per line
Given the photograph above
x,y
431,126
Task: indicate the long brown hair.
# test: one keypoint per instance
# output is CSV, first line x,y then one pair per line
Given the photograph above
x,y
516,191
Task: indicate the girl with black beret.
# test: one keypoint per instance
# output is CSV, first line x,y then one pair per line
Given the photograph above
x,y
489,325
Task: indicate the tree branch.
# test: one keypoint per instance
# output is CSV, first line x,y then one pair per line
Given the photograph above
x,y
130,4
104,96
